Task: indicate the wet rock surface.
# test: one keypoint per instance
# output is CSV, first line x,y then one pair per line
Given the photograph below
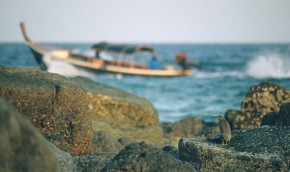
x,y
22,148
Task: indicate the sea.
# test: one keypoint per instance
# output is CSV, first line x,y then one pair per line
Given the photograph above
x,y
221,80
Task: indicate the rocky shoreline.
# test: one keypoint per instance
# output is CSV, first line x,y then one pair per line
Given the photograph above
x,y
52,123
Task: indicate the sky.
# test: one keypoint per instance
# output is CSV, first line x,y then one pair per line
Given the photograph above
x,y
147,21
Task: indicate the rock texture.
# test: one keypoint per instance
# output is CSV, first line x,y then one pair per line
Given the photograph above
x,y
114,105
258,149
22,148
87,163
260,100
281,118
54,105
68,112
145,157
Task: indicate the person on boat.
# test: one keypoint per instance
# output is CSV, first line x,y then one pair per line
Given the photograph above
x,y
181,59
97,55
155,64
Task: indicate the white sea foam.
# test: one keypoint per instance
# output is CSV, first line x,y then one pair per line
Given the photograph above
x,y
202,74
269,66
66,69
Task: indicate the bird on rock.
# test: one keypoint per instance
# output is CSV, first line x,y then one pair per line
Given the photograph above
x,y
225,128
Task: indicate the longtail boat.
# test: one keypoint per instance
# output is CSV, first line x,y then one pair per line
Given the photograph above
x,y
108,58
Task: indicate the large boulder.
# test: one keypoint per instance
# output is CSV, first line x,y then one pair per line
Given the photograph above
x,y
145,157
22,147
258,149
56,106
260,100
68,112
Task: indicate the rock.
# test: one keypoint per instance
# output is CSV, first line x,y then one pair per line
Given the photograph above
x,y
22,147
66,162
187,127
281,118
264,139
209,129
284,115
150,134
92,162
258,149
230,116
103,142
270,119
107,103
208,157
145,157
260,100
55,105
172,150
87,163
68,112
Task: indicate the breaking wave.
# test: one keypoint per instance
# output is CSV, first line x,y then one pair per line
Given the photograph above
x,y
269,66
65,69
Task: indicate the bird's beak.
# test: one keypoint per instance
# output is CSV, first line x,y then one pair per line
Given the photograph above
x,y
214,116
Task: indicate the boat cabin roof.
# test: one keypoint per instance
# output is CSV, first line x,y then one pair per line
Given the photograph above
x,y
122,48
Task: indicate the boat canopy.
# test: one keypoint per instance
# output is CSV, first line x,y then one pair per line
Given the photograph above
x,y
122,48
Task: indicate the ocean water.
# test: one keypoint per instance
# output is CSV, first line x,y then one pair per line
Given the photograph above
x,y
220,82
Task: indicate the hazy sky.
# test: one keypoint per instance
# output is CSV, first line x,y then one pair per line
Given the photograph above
x,y
153,21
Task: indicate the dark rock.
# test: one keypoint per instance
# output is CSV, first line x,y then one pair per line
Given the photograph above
x,y
145,157
260,100
281,118
172,150
258,149
22,147
264,139
206,156
92,162
270,119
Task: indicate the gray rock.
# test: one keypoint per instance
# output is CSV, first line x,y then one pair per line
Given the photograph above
x,y
258,149
66,162
144,157
87,163
103,142
206,156
22,147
